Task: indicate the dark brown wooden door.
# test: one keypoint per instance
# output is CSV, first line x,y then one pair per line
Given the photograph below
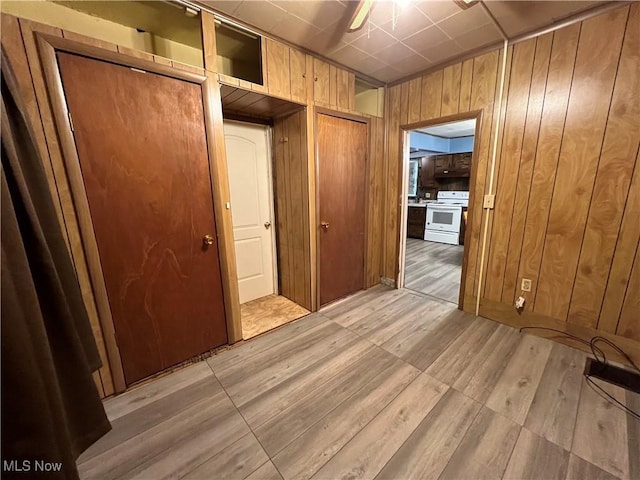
x,y
143,153
342,153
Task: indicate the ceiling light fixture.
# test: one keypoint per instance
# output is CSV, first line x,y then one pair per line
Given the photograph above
x,y
402,3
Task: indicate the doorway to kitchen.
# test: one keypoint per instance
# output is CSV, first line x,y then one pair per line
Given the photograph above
x,y
436,184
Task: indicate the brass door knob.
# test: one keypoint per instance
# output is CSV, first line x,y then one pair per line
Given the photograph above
x,y
324,225
267,225
207,240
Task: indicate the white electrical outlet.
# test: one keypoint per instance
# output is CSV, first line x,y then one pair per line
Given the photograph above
x,y
526,285
489,201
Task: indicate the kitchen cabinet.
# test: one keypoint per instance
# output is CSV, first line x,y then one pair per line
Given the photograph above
x,y
416,218
442,165
462,164
427,173
453,165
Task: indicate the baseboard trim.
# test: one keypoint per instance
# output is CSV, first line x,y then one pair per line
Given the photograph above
x,y
389,282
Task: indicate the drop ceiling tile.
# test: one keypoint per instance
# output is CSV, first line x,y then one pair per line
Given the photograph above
x,y
295,30
348,55
367,65
410,21
381,11
324,42
224,6
349,37
263,15
387,74
394,53
374,41
479,37
410,65
520,17
320,13
443,52
427,38
438,10
463,21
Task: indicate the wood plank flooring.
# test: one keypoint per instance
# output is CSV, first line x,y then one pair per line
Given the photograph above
x,y
433,268
266,313
385,384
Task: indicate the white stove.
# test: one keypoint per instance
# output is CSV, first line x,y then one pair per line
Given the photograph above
x,y
445,216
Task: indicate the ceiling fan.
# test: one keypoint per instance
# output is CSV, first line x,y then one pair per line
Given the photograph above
x,y
363,9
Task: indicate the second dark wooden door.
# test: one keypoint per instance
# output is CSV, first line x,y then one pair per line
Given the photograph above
x,y
342,159
142,146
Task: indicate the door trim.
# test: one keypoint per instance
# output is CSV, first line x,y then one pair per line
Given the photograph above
x,y
48,45
404,199
315,196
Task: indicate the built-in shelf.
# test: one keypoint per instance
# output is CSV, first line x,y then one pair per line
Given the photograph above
x,y
239,53
164,29
369,98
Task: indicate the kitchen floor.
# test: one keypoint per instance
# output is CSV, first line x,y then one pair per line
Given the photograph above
x,y
433,268
385,384
266,313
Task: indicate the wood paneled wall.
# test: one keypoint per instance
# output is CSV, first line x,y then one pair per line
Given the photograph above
x,y
291,188
375,202
567,172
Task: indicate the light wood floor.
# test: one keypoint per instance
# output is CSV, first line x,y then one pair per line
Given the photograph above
x,y
433,268
267,313
386,384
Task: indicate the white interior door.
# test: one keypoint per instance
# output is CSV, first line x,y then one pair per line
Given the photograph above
x,y
248,158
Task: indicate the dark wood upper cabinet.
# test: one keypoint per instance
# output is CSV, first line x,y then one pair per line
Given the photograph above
x,y
427,173
453,165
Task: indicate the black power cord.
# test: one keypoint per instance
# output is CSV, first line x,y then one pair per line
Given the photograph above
x,y
601,359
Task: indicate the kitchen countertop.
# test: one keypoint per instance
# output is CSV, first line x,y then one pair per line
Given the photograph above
x,y
423,204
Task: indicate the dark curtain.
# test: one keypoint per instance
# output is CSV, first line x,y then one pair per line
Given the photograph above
x,y
51,410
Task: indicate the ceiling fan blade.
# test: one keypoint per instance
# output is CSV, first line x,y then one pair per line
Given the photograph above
x,y
464,4
360,15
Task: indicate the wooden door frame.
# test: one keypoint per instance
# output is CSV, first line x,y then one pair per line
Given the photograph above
x,y
314,197
404,201
48,45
